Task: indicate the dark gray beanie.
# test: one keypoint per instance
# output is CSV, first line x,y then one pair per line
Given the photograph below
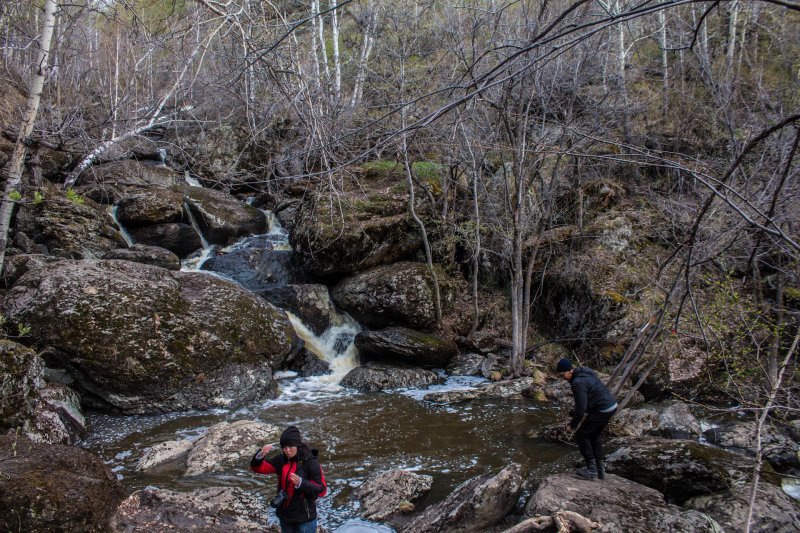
x,y
291,437
563,366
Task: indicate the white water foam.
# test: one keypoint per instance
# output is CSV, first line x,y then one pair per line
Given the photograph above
x,y
452,383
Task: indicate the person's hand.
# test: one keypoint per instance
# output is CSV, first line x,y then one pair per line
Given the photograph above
x,y
568,429
294,478
265,450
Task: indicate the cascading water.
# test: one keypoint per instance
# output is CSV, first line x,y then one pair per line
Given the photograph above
x,y
122,230
195,261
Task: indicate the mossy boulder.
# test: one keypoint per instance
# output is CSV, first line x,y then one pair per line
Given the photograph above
x,y
774,510
407,346
50,487
221,217
73,228
352,233
110,182
152,205
148,255
144,339
400,294
778,445
680,469
373,377
177,237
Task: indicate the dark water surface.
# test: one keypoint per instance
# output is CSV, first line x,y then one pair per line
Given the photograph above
x,y
356,434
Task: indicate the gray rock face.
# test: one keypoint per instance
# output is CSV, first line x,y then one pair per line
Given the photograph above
x,y
209,510
144,339
475,505
258,264
177,237
71,229
774,511
407,346
354,234
147,255
109,182
400,294
153,205
633,423
375,377
679,469
678,422
58,418
468,364
513,388
390,493
49,487
164,454
223,218
622,506
778,446
228,444
15,266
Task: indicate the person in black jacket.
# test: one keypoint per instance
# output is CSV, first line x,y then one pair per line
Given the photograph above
x,y
300,481
594,407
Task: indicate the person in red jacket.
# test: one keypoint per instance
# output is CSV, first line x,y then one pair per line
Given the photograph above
x,y
300,481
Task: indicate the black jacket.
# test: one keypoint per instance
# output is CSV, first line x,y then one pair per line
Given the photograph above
x,y
301,504
591,395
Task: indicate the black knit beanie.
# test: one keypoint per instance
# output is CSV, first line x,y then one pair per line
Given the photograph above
x,y
563,366
291,437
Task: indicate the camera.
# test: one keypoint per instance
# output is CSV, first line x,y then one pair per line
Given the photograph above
x,y
278,499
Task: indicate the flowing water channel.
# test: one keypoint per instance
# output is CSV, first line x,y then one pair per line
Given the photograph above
x,y
357,434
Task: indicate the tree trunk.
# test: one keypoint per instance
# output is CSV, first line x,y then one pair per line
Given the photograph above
x,y
14,180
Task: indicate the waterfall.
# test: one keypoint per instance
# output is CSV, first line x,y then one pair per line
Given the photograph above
x,y
195,262
335,346
122,230
190,180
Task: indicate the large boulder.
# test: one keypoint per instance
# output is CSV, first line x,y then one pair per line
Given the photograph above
x,y
353,233
109,182
375,377
475,505
49,487
221,217
679,469
620,505
209,510
400,294
43,412
678,422
76,228
228,444
164,455
259,263
153,205
177,237
310,302
15,266
407,346
391,493
148,255
144,339
774,510
778,445
468,364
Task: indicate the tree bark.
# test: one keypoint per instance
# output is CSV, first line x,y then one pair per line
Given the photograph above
x,y
14,181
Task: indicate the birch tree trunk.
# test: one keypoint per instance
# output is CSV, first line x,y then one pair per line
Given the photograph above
x,y
335,37
14,180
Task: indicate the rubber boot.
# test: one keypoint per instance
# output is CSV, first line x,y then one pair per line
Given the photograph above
x,y
590,472
601,468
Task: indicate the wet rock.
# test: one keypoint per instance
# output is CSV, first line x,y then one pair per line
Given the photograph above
x,y
475,505
222,217
353,234
375,377
259,264
154,205
633,423
209,510
390,493
512,388
15,266
164,454
774,510
778,446
228,444
619,504
147,255
407,346
177,237
678,422
75,229
468,364
311,303
679,469
143,339
49,487
493,365
58,418
306,363
110,182
400,294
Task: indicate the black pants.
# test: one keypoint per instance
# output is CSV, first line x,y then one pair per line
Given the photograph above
x,y
588,435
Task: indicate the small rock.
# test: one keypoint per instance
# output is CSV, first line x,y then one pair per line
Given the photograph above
x,y
164,453
391,492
